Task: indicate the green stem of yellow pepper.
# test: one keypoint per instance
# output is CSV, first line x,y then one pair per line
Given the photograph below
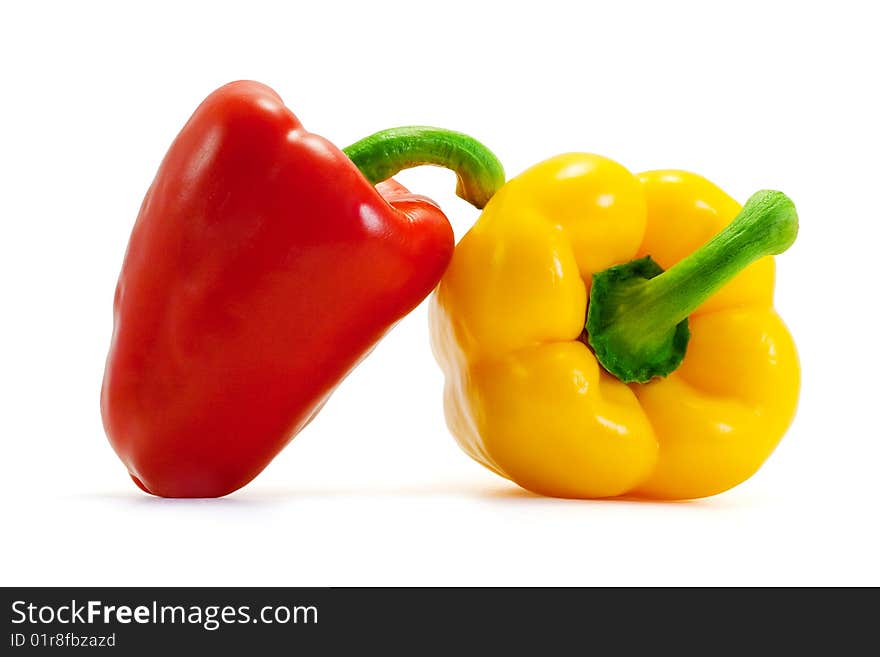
x,y
388,152
637,318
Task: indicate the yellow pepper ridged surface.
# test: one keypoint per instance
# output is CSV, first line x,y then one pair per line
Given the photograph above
x,y
525,395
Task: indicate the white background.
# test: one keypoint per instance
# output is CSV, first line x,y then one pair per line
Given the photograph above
x,y
752,95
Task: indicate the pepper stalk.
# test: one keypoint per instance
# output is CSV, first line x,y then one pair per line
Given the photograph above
x,y
384,154
637,319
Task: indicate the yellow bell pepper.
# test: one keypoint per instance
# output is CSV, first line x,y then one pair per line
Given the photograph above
x,y
706,374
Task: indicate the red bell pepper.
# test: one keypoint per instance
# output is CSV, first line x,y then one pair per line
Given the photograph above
x,y
262,267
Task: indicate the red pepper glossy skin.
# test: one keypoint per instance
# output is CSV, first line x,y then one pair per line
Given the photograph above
x,y
262,267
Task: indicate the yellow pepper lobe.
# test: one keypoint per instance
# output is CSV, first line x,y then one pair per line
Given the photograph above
x,y
575,431
724,411
595,201
526,397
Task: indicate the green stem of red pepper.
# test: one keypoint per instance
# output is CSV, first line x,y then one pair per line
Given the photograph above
x,y
386,153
